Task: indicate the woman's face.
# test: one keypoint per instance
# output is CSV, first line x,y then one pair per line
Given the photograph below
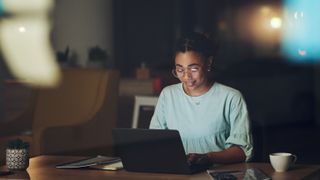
x,y
190,69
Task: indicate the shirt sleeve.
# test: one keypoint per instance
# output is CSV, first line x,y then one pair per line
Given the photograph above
x,y
158,120
240,132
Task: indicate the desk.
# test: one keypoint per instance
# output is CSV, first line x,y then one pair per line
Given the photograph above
x,y
43,167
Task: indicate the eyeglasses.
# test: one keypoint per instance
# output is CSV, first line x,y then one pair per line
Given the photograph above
x,y
180,72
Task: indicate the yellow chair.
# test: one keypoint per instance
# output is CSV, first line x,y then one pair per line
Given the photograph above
x,y
75,117
19,103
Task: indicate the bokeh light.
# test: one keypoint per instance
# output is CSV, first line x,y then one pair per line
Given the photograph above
x,y
276,22
301,27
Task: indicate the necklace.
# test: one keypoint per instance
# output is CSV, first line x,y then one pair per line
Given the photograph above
x,y
195,100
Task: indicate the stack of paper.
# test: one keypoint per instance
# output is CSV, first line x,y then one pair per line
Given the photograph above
x,y
112,166
107,163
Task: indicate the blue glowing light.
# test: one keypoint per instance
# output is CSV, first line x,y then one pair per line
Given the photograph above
x,y
301,30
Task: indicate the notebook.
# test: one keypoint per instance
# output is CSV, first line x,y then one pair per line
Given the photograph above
x,y
153,150
90,162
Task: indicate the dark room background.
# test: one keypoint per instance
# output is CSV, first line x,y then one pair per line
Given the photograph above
x,y
283,97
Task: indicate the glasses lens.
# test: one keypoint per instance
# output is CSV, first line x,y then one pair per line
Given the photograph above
x,y
174,73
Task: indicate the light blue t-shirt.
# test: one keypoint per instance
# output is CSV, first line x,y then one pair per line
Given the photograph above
x,y
213,121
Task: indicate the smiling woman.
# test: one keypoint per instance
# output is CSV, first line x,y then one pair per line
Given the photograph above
x,y
189,70
211,118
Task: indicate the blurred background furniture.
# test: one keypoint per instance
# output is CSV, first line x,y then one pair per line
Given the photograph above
x,y
128,89
76,117
19,103
143,110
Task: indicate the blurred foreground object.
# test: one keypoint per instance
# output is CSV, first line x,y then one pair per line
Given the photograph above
x,y
301,30
25,43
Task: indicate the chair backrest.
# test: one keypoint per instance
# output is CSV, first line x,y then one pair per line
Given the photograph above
x,y
19,101
75,101
143,104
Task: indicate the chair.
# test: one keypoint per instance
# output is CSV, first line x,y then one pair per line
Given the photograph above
x,y
19,103
76,116
143,111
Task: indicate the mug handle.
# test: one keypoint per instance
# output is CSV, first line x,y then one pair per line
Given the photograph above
x,y
294,158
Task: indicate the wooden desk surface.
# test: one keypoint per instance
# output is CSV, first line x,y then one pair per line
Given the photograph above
x,y
43,167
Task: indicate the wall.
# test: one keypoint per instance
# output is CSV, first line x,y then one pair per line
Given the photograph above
x,y
317,93
82,24
144,32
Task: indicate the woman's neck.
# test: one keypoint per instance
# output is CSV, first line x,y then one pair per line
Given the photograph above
x,y
198,91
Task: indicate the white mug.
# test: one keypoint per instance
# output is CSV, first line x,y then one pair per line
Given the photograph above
x,y
282,161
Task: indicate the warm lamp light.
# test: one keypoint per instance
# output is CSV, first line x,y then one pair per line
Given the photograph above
x,y
275,22
265,10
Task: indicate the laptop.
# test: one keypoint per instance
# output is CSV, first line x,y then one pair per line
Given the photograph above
x,y
153,150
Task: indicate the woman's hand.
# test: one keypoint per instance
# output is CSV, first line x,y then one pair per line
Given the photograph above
x,y
202,159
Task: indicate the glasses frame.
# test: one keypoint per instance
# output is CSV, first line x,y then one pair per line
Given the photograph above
x,y
175,74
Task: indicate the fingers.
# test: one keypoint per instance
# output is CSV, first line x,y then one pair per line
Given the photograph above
x,y
194,158
191,157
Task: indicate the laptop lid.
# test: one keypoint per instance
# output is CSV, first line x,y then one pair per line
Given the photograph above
x,y
151,150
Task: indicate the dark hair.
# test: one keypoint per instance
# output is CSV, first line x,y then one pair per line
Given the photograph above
x,y
196,42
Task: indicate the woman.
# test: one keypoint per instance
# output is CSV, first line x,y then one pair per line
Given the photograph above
x,y
212,118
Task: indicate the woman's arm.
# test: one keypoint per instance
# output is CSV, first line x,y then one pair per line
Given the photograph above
x,y
233,154
158,120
